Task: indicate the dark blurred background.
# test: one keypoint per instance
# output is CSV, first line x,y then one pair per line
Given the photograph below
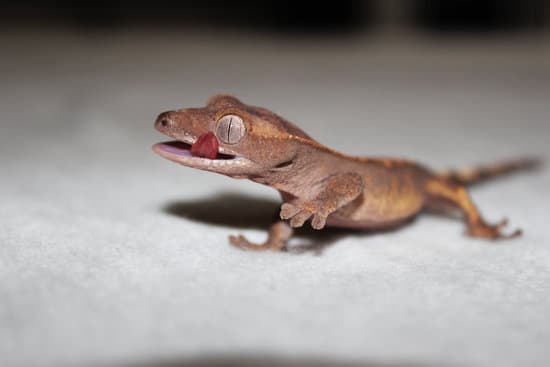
x,y
307,17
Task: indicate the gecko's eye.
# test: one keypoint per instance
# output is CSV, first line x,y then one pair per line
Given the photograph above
x,y
230,129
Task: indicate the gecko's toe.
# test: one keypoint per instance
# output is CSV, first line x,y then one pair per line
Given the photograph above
x,y
239,242
243,244
299,219
517,233
318,221
492,232
503,223
288,211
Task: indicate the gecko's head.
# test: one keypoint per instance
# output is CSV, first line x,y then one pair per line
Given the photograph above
x,y
228,137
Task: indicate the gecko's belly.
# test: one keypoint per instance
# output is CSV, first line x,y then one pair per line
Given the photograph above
x,y
366,224
377,211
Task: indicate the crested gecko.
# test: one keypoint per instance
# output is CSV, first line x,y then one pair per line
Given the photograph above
x,y
316,183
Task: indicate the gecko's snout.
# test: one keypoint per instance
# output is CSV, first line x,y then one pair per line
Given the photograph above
x,y
164,121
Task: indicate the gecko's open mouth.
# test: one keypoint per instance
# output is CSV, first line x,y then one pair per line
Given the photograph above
x,y
205,146
203,152
182,149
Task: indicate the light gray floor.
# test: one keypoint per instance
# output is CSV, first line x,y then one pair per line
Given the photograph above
x,y
112,255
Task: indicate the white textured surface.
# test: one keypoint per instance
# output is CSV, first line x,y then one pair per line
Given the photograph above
x,y
109,254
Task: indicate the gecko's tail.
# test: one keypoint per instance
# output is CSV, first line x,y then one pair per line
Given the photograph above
x,y
474,175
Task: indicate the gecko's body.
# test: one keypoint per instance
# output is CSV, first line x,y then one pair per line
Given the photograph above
x,y
316,183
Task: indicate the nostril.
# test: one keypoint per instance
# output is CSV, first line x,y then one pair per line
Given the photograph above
x,y
165,121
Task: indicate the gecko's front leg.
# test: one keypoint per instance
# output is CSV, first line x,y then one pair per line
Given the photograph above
x,y
335,192
332,193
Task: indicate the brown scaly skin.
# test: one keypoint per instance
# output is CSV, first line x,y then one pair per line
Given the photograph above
x,y
318,183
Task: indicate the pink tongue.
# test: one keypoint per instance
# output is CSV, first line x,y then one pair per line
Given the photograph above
x,y
206,146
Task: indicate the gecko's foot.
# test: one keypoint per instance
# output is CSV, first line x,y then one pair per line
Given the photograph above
x,y
279,234
242,243
299,213
492,232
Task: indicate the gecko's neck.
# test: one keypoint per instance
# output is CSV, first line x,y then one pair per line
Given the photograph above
x,y
300,176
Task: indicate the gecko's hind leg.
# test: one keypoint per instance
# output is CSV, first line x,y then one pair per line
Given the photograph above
x,y
457,195
279,234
